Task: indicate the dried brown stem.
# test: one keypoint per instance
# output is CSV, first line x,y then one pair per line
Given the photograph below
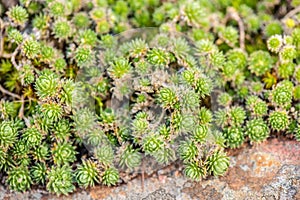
x,y
292,13
6,55
13,58
4,91
21,111
27,121
232,14
1,37
2,27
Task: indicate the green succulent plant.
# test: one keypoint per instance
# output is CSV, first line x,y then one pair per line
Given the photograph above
x,y
110,176
40,21
42,153
229,35
38,173
257,106
130,157
19,179
135,48
275,43
165,155
18,15
84,121
217,163
167,97
200,133
62,29
9,109
57,9
51,112
105,154
119,68
287,53
237,57
296,93
237,115
195,171
257,130
95,137
46,84
203,86
20,153
15,35
273,28
297,133
60,180
188,151
31,48
88,37
279,120
63,153
233,116
282,95
27,75
62,130
60,64
81,20
260,62
285,70
87,174
8,134
84,56
152,143
234,137
205,116
159,57
77,94
224,99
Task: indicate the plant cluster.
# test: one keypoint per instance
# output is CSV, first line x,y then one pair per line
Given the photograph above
x,y
79,105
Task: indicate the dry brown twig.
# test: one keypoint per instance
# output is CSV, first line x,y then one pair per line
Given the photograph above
x,y
292,13
1,37
4,91
233,14
21,99
2,27
21,111
13,58
289,16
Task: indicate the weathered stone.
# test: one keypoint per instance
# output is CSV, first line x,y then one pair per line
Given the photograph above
x,y
159,194
208,192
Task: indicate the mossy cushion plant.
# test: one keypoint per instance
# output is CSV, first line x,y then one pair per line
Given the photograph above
x,y
80,103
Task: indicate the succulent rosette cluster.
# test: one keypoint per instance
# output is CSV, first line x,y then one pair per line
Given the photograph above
x,y
82,104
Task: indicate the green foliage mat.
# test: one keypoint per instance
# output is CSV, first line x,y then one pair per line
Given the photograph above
x,y
80,103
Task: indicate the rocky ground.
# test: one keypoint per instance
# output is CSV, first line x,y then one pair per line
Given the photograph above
x,y
268,171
